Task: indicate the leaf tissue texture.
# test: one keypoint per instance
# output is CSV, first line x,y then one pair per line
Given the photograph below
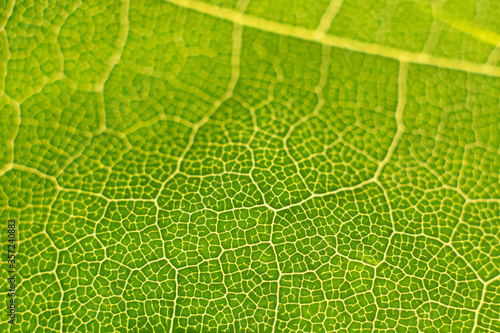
x,y
251,165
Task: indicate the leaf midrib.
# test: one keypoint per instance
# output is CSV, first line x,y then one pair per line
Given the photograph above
x,y
283,29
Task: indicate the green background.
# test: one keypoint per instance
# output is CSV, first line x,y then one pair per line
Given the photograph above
x,y
252,166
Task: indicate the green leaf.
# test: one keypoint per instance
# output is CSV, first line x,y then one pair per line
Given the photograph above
x,y
251,165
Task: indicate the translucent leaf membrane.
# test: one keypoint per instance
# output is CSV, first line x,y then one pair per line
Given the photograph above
x,y
251,166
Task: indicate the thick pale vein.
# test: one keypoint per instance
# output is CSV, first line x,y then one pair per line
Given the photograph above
x,y
486,36
402,92
335,41
436,28
328,17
